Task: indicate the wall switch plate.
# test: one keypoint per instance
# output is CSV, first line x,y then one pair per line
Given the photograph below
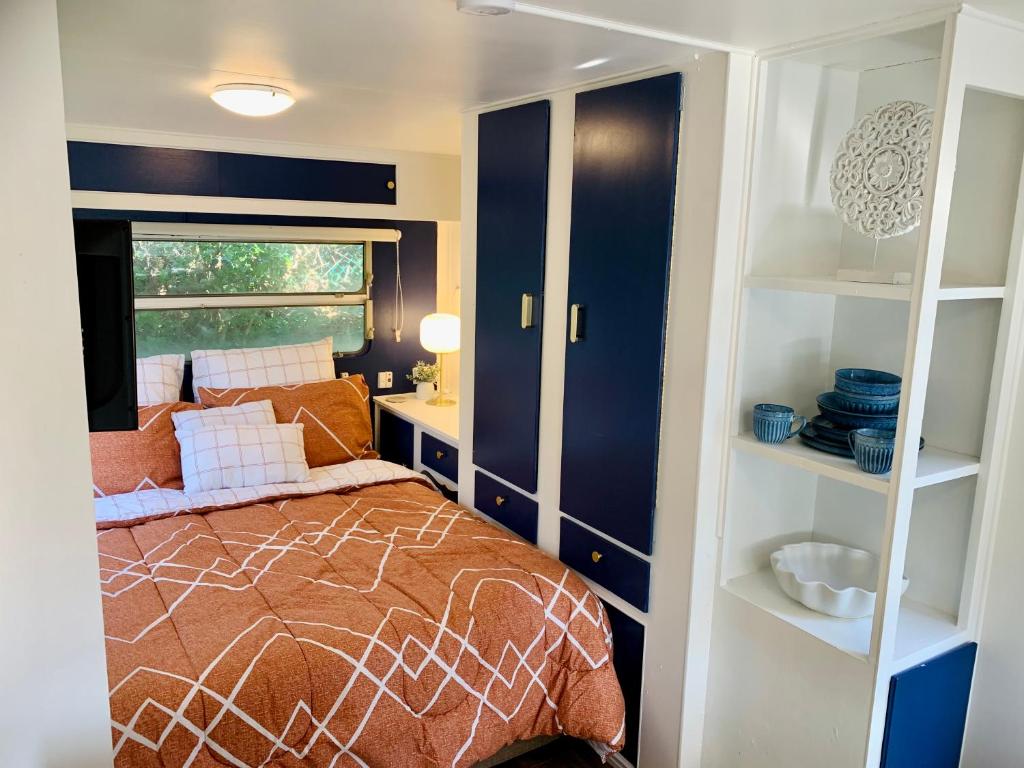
x,y
385,380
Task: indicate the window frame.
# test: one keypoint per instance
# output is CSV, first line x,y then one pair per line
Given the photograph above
x,y
243,233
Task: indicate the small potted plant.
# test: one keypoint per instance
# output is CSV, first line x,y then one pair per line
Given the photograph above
x,y
423,376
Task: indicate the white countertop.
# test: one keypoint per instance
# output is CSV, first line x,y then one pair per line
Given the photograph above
x,y
442,420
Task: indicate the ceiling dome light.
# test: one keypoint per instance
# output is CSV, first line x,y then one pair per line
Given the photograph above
x,y
486,7
251,99
592,63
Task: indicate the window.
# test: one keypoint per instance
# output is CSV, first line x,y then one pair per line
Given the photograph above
x,y
208,287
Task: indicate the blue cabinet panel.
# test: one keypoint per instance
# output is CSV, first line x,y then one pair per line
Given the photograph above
x,y
628,658
163,171
395,441
924,724
623,197
625,574
510,508
439,456
512,191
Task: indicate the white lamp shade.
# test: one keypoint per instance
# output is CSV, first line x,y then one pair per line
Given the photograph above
x,y
440,333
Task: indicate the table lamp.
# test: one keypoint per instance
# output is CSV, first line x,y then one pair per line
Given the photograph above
x,y
439,333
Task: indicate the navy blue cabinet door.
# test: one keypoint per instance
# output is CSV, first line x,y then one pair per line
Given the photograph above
x,y
924,724
628,659
512,195
623,196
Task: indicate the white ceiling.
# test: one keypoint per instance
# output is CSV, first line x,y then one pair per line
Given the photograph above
x,y
388,74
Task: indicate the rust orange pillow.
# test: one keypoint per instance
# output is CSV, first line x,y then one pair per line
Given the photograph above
x,y
336,415
123,462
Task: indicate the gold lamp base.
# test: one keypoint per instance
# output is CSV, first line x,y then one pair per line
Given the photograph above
x,y
440,399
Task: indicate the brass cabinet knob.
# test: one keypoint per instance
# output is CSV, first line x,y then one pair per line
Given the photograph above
x,y
596,556
500,500
439,454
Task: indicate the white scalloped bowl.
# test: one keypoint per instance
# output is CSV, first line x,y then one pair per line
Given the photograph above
x,y
829,578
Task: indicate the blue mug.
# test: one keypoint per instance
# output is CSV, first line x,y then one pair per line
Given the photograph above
x,y
774,423
872,449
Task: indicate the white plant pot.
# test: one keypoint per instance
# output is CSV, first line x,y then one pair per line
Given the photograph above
x,y
425,390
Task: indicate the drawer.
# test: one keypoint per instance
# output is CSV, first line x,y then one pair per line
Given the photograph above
x,y
510,508
625,574
439,456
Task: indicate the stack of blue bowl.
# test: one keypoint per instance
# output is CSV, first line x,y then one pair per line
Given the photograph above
x,y
863,398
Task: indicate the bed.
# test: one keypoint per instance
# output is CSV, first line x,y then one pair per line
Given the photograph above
x,y
354,619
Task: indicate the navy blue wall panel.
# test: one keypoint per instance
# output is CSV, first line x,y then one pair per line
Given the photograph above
x,y
628,658
419,282
924,724
623,196
512,184
161,170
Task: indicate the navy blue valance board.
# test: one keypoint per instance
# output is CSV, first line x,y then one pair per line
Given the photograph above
x,y
101,167
419,284
623,200
512,186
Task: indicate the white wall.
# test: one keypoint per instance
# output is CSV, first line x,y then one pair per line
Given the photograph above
x,y
53,710
994,734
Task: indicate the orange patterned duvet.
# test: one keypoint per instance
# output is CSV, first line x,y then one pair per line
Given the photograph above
x,y
379,627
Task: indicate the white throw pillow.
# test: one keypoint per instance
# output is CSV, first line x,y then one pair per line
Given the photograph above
x,y
241,456
262,366
258,412
158,379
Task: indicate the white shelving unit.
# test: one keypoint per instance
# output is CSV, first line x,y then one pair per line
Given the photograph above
x,y
954,335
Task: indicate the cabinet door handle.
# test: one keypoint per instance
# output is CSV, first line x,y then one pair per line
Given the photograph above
x,y
596,556
440,454
526,312
576,329
500,500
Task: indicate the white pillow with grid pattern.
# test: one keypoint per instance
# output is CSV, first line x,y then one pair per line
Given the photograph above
x,y
258,412
262,366
241,455
158,379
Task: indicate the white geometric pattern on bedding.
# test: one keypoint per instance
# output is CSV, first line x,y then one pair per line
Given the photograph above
x,y
240,455
158,379
262,366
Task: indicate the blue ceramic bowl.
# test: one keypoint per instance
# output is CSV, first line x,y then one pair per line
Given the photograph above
x,y
832,410
864,381
873,449
872,404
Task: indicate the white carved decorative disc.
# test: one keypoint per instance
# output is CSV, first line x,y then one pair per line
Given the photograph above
x,y
879,170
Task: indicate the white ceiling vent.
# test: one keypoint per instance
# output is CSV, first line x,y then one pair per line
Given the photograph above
x,y
486,7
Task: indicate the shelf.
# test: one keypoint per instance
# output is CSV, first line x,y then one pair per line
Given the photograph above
x,y
921,630
964,291
834,287
934,465
830,285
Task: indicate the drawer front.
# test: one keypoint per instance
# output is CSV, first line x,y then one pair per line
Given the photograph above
x,y
510,508
439,456
614,568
